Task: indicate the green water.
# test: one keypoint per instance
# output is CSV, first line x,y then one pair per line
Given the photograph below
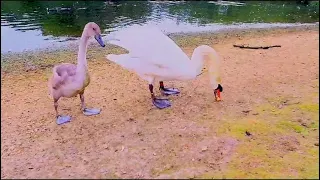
x,y
38,23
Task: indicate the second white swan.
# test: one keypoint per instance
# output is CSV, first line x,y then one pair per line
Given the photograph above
x,y
155,57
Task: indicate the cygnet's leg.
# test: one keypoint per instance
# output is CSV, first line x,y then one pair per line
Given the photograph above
x,y
159,103
60,118
88,111
168,91
82,102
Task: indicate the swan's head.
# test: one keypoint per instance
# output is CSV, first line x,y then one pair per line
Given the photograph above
x,y
206,52
92,29
217,92
215,80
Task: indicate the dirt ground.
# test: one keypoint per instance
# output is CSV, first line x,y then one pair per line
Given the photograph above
x,y
266,126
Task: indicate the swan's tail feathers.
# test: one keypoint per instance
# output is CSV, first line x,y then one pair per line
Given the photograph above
x,y
121,59
125,60
128,38
115,58
128,45
115,42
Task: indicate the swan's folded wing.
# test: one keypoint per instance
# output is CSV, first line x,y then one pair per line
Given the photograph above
x,y
149,44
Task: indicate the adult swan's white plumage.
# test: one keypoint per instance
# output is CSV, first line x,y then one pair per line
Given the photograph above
x,y
155,57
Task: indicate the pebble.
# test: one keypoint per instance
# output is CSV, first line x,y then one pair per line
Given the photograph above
x,y
248,133
205,148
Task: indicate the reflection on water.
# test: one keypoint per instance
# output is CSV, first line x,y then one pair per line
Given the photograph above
x,y
27,25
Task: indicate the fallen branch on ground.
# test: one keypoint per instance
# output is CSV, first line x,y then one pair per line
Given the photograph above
x,y
252,47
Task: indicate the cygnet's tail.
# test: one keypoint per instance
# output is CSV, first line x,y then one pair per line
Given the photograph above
x,y
50,88
53,82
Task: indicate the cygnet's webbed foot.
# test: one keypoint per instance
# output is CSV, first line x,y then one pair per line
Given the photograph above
x,y
161,103
91,111
169,91
63,119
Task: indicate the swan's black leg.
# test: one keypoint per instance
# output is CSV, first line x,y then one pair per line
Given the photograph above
x,y
168,91
159,103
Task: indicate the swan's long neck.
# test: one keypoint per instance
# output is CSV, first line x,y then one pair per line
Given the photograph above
x,y
82,53
197,60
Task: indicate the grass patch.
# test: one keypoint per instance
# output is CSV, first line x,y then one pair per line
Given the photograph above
x,y
312,108
255,160
285,125
258,157
252,160
254,126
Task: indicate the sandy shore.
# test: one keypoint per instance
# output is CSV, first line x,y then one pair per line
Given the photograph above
x,y
271,94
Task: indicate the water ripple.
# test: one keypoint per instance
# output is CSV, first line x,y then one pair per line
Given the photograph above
x,y
42,23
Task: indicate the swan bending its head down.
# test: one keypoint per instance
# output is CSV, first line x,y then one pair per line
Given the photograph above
x,y
155,57
69,80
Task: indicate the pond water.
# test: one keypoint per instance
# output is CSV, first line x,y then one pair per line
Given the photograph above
x,y
29,25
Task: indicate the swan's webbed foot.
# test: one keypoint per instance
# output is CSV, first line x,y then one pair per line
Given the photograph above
x,y
91,111
161,103
168,91
63,119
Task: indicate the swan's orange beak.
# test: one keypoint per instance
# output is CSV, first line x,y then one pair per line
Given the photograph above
x,y
217,95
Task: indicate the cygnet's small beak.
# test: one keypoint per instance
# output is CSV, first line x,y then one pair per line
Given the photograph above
x,y
217,95
99,39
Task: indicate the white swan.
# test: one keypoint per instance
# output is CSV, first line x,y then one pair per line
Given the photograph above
x,y
155,57
69,80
